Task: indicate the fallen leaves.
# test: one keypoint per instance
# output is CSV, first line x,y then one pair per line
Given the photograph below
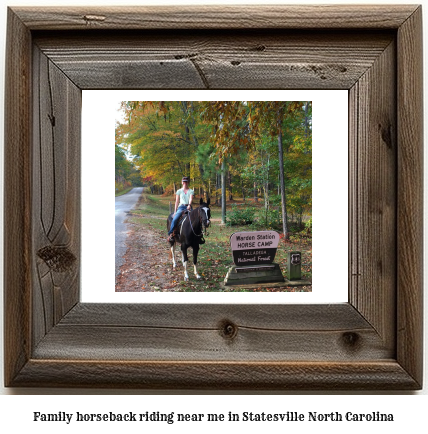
x,y
148,268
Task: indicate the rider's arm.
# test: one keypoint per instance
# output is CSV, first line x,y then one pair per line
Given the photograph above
x,y
190,202
177,201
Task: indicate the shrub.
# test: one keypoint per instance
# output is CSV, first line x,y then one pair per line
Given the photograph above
x,y
308,226
240,216
122,185
271,219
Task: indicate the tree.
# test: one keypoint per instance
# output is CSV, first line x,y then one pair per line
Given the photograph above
x,y
297,134
258,142
238,124
228,120
175,128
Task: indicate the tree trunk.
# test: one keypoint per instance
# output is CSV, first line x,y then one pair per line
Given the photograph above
x,y
282,183
255,186
187,165
217,188
243,189
267,184
230,186
190,132
266,188
307,119
223,193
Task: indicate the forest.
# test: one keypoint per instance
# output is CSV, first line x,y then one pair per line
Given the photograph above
x,y
255,157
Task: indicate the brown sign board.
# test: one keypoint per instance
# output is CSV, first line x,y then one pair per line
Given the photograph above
x,y
254,248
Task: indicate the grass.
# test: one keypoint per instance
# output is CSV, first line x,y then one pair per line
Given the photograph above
x,y
122,192
215,257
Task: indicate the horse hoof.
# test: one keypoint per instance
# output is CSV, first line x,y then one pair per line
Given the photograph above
x,y
186,279
198,277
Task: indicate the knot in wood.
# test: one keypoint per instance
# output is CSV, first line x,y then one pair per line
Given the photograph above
x,y
93,18
58,259
228,330
351,340
386,134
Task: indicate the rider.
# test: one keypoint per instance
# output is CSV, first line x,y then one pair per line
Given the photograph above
x,y
183,201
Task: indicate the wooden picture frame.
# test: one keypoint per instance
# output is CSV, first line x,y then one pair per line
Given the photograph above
x,y
372,342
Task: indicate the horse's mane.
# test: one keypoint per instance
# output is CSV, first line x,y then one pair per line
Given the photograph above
x,y
195,211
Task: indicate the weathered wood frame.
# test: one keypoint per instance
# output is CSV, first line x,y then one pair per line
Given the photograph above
x,y
372,342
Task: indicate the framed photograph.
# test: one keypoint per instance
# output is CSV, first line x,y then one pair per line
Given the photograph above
x,y
371,342
213,153
143,268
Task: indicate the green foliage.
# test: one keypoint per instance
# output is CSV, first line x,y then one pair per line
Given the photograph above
x,y
169,139
122,187
123,167
135,179
240,215
175,138
275,200
308,226
126,174
269,218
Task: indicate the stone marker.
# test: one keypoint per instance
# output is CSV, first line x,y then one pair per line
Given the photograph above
x,y
253,254
248,275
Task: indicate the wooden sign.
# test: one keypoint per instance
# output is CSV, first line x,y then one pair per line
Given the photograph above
x,y
254,248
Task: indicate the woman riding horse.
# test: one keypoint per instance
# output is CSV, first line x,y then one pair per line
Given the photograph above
x,y
183,201
192,228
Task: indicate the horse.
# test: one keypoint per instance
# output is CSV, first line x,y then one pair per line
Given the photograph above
x,y
189,233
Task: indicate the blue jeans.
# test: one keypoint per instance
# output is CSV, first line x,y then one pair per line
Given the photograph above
x,y
176,217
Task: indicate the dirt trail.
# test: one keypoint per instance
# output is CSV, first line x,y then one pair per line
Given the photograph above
x,y
147,267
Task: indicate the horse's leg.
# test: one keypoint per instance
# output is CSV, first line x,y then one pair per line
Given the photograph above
x,y
185,259
173,256
195,259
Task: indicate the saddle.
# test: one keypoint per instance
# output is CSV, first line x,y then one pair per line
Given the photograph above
x,y
177,229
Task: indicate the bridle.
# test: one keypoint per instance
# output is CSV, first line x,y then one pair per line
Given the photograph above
x,y
201,222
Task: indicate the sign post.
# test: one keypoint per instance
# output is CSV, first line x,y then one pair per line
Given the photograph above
x,y
253,254
294,265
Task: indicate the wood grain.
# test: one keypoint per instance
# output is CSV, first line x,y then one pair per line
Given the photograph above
x,y
17,198
217,17
410,196
216,375
216,60
372,342
373,177
56,194
340,316
198,332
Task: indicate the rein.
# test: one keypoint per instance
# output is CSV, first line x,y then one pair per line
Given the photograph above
x,y
200,222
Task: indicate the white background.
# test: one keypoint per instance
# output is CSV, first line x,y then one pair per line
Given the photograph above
x,y
16,411
329,174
